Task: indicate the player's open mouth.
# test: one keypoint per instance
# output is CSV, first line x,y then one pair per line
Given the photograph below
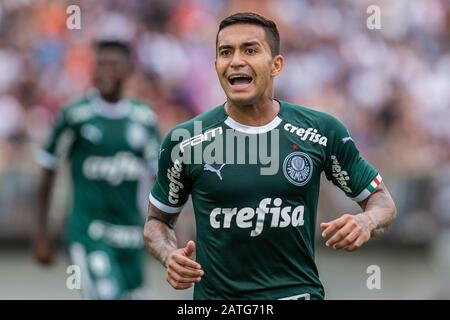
x,y
239,81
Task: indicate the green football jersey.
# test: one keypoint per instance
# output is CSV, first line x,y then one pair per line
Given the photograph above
x,y
109,148
255,192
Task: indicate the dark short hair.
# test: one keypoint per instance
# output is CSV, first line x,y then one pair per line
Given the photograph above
x,y
114,45
270,28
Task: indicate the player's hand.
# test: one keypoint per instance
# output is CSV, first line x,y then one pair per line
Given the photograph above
x,y
42,249
349,232
182,270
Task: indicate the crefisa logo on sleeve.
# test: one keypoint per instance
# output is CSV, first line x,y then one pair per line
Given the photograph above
x,y
298,168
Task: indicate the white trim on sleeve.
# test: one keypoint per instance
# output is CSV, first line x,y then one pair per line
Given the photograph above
x,y
163,207
368,190
47,160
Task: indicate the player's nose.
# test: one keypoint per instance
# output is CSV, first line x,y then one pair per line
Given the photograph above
x,y
237,60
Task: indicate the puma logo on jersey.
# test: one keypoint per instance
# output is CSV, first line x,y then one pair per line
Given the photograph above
x,y
244,218
311,134
208,167
344,140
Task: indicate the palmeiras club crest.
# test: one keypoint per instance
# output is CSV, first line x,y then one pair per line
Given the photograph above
x,y
298,168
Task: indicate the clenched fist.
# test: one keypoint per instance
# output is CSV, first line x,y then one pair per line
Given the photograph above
x,y
182,270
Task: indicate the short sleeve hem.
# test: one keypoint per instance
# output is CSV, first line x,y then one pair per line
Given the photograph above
x,y
47,160
163,207
368,190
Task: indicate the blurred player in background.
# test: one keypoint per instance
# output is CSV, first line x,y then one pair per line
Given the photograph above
x,y
255,232
110,141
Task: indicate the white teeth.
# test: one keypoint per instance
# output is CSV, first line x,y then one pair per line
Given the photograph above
x,y
238,76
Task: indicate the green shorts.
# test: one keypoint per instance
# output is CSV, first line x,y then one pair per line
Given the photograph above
x,y
107,272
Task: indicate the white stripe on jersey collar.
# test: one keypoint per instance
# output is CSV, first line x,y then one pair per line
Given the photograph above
x,y
250,129
110,110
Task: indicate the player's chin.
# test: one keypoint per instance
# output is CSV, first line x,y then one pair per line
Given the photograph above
x,y
106,87
241,98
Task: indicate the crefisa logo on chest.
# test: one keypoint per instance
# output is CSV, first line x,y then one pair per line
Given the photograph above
x,y
298,168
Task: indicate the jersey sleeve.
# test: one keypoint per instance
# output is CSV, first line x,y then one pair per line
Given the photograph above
x,y
173,185
346,167
58,144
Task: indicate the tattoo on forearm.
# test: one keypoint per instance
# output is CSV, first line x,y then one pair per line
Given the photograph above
x,y
380,208
380,199
160,239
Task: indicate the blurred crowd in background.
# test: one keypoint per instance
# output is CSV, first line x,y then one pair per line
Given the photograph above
x,y
390,86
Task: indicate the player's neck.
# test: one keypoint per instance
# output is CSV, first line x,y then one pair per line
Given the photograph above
x,y
112,97
258,114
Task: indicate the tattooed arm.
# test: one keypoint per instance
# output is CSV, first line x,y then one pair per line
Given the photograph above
x,y
159,235
380,209
352,231
182,270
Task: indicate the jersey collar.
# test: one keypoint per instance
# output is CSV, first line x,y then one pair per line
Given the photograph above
x,y
110,110
233,124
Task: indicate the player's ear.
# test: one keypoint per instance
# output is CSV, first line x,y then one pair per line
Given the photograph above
x,y
277,65
215,65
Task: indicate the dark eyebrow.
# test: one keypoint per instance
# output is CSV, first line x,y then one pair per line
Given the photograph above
x,y
251,43
224,46
244,44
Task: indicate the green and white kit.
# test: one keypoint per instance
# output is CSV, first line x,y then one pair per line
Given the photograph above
x,y
255,228
110,147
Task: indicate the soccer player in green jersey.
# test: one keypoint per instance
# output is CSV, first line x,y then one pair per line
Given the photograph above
x,y
256,220
108,140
